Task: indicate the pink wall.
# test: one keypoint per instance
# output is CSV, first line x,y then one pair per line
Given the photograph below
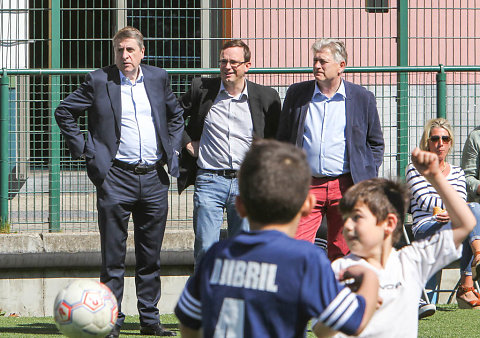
x,y
280,32
448,36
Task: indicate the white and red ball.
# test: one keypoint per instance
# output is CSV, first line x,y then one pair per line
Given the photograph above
x,y
85,308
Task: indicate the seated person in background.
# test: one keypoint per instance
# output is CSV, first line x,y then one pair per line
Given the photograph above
x,y
424,201
374,213
264,283
471,164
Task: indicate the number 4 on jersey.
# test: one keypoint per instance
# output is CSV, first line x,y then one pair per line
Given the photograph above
x,y
231,319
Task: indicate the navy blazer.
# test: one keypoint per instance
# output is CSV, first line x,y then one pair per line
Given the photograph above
x,y
363,133
264,103
100,94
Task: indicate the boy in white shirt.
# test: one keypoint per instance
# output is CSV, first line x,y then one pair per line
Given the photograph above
x,y
374,213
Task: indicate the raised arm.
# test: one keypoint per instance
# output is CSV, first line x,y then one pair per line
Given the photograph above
x,y
462,219
420,190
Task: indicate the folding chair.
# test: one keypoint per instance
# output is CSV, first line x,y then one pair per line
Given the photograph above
x,y
407,240
438,279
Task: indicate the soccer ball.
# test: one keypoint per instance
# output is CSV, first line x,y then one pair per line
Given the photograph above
x,y
85,308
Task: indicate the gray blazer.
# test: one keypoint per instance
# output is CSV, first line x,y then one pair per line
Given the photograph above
x,y
471,163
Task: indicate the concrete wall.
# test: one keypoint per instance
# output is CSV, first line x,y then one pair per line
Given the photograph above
x,y
34,267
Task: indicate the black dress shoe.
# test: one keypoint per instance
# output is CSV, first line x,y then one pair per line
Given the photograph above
x,y
114,333
156,330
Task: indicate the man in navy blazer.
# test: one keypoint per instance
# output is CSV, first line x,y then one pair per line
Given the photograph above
x,y
336,122
135,127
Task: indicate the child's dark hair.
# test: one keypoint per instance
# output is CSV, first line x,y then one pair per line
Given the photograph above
x,y
382,197
274,181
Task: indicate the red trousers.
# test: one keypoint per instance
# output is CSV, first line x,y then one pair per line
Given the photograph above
x,y
328,192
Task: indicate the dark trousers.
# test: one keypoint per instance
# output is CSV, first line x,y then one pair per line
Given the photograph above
x,y
124,193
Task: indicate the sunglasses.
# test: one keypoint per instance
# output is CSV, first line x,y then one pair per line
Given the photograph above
x,y
436,138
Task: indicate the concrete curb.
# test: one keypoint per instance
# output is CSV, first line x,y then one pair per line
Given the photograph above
x,y
59,250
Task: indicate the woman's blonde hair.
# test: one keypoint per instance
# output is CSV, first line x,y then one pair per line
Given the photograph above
x,y
427,130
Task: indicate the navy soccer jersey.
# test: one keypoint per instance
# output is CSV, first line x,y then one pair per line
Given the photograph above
x,y
266,284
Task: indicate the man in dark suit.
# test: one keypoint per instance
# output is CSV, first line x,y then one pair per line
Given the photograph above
x,y
224,115
135,127
336,122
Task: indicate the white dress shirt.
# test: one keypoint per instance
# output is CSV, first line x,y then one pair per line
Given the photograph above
x,y
227,132
138,141
324,134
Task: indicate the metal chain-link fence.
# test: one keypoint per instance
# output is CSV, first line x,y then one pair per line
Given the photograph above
x,y
47,46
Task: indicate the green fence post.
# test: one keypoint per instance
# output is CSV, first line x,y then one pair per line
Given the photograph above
x,y
442,93
4,168
54,151
402,87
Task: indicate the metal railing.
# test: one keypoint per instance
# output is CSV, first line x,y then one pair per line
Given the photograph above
x,y
51,193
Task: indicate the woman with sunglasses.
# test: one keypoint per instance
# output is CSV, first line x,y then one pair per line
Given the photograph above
x,y
427,207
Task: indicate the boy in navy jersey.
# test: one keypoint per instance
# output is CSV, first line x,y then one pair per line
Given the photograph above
x,y
264,283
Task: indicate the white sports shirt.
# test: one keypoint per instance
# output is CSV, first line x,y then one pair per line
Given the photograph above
x,y
401,282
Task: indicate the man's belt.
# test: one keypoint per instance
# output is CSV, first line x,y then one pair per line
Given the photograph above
x,y
228,173
330,178
137,168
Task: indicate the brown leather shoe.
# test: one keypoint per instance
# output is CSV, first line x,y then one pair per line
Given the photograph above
x,y
156,330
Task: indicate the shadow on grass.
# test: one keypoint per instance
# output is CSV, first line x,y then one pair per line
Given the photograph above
x,y
33,328
36,329
133,329
447,309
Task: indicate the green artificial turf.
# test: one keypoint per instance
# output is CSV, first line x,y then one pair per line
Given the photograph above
x,y
448,321
45,326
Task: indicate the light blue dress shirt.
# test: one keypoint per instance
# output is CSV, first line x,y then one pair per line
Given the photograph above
x,y
227,132
324,134
138,141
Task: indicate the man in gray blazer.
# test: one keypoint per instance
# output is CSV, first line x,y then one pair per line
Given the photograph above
x,y
223,116
135,127
471,165
337,124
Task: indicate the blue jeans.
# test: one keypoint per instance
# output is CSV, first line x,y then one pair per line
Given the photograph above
x,y
213,195
429,228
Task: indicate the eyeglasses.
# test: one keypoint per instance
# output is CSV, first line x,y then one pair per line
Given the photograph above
x,y
436,138
233,63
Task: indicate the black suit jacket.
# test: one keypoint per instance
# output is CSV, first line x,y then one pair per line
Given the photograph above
x,y
363,133
265,107
100,94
